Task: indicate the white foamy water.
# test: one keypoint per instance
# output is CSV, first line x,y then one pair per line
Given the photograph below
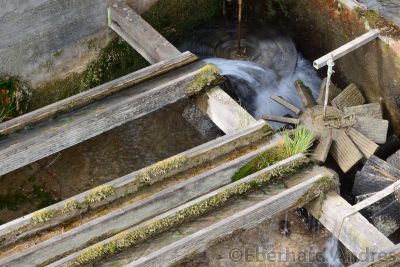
x,y
331,254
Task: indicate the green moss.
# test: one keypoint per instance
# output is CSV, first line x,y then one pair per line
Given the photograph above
x,y
152,174
70,205
42,216
99,193
14,97
206,77
127,239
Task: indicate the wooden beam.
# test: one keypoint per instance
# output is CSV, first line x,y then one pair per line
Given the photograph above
x,y
347,48
225,112
350,96
281,119
354,231
366,146
305,94
345,153
139,34
96,93
372,110
27,146
286,104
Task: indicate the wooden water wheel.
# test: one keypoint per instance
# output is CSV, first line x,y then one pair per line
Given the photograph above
x,y
351,129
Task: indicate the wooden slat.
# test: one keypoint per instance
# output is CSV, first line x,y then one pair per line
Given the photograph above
x,y
355,232
387,220
281,119
322,150
139,34
286,104
350,96
377,166
394,160
376,130
366,146
347,48
334,91
223,111
372,110
20,228
53,136
365,183
96,93
345,152
305,94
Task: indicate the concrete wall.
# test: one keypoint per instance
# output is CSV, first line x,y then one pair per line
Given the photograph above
x,y
43,39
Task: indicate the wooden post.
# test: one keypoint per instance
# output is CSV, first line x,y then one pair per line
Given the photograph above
x,y
286,104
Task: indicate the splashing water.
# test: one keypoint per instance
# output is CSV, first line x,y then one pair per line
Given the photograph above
x,y
331,253
269,66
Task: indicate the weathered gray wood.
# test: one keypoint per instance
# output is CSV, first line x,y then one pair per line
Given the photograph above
x,y
389,257
377,166
365,183
128,216
374,207
139,34
345,153
96,93
354,231
57,246
376,130
366,146
281,119
347,48
334,91
63,132
394,160
21,228
372,110
387,220
286,104
321,151
244,219
225,112
305,94
350,96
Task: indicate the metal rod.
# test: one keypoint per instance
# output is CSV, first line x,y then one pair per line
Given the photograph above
x,y
239,36
328,83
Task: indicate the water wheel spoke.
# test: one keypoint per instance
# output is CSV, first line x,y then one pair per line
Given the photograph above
x,y
286,104
372,110
322,148
305,94
344,151
281,119
334,91
374,129
365,145
351,96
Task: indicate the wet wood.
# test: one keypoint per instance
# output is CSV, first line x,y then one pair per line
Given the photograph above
x,y
376,130
394,160
365,183
350,96
281,119
387,220
96,93
372,110
322,149
354,231
334,91
387,258
345,152
377,166
286,104
305,94
366,146
139,34
347,48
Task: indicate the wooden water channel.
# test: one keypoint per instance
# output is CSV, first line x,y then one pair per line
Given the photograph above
x,y
118,215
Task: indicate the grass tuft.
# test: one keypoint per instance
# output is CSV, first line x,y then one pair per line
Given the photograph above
x,y
299,140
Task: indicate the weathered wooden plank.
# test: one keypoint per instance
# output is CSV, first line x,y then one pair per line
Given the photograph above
x,y
366,146
281,119
387,220
286,104
305,94
372,110
321,151
225,112
248,217
334,91
377,166
57,246
376,130
52,136
347,48
96,93
394,160
354,231
128,216
345,153
139,34
350,96
365,183
20,228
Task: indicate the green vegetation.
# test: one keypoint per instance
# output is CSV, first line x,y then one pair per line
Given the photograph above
x,y
206,77
42,216
99,193
71,205
299,140
14,96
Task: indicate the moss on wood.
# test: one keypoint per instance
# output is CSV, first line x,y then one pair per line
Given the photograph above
x,y
42,216
208,75
71,205
99,193
14,97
